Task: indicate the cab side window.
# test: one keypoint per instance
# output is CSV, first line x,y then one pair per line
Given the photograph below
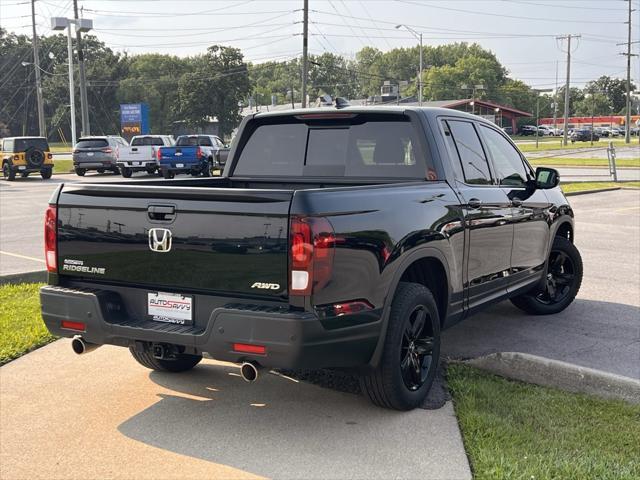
x,y
509,167
472,157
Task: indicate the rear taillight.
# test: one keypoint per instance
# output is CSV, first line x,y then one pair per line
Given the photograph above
x,y
199,152
51,238
106,150
159,154
16,158
49,156
312,243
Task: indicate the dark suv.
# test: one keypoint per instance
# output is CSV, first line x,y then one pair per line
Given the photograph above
x,y
584,135
97,153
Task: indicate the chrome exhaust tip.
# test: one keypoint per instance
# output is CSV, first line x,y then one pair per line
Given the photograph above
x,y
249,372
80,346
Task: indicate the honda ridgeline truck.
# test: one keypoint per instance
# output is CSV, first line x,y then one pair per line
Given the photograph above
x,y
339,238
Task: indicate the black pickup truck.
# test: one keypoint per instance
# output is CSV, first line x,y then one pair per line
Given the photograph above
x,y
335,238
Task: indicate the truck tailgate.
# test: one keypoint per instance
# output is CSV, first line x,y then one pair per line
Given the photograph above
x,y
178,238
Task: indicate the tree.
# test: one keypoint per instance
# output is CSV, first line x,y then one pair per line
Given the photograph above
x,y
218,82
614,89
576,95
593,104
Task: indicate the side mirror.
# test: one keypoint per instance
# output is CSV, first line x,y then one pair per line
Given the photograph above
x,y
547,178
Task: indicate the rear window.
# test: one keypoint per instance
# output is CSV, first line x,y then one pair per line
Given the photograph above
x,y
22,144
194,142
145,141
356,147
92,143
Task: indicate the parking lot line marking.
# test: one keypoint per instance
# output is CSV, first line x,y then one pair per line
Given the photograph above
x,y
626,209
22,256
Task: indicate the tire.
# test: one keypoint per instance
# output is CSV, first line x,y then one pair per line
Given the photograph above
x,y
8,172
563,282
182,362
115,171
101,170
159,173
46,173
206,171
407,368
168,174
151,170
80,172
126,172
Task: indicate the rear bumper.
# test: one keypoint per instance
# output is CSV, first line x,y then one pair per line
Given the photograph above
x,y
292,339
138,164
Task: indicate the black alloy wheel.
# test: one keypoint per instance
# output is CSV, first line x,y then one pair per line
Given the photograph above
x,y
561,284
560,277
416,354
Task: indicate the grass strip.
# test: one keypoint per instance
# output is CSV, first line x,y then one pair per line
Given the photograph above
x,y
21,326
583,162
513,430
571,187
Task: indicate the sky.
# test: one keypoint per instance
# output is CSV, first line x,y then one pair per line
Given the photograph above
x,y
522,33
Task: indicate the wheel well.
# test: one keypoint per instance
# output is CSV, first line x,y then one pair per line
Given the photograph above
x,y
565,231
431,273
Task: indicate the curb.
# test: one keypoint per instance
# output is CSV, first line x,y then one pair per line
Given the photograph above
x,y
585,192
557,374
26,277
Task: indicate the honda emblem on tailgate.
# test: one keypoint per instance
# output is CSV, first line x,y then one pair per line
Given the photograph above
x,y
160,239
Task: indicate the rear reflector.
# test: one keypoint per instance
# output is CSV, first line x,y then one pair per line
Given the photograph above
x,y
248,348
68,324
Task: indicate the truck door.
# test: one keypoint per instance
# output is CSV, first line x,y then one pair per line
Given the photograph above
x,y
487,211
529,205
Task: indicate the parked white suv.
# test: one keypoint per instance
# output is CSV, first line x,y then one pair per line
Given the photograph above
x,y
142,154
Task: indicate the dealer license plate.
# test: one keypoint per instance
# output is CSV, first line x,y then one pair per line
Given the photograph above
x,y
170,308
180,165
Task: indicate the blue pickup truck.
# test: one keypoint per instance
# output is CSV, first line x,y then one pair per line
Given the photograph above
x,y
194,154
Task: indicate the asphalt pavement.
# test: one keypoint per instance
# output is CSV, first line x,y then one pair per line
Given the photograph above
x,y
101,415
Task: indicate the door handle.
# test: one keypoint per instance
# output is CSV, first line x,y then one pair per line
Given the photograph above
x,y
516,202
474,203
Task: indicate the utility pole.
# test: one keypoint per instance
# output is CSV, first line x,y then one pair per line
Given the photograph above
x,y
567,87
84,105
36,63
555,102
627,121
305,46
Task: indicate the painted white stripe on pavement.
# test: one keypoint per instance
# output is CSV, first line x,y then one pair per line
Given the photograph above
x,y
33,259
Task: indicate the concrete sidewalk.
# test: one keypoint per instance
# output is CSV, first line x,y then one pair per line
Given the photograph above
x,y
102,415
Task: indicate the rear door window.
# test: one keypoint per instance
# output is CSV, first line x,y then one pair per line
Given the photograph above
x,y
22,144
92,143
146,141
472,157
353,148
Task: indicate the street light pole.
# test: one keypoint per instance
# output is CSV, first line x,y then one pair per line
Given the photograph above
x,y
72,102
419,38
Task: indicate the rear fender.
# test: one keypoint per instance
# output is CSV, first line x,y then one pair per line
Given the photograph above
x,y
405,262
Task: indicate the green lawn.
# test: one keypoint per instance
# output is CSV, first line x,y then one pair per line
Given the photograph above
x,y
571,187
62,166
554,143
60,147
583,162
21,327
513,430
